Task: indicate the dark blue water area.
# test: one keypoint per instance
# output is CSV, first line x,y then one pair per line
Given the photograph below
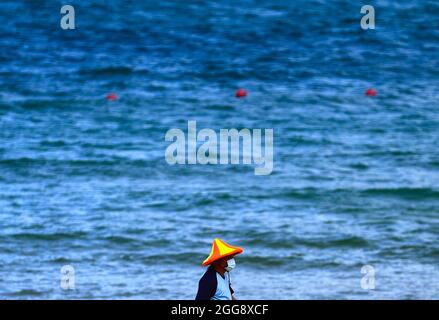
x,y
84,181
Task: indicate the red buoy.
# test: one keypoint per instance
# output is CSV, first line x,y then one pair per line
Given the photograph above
x,y
371,92
241,93
111,97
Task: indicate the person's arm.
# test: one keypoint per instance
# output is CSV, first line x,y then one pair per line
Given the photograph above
x,y
232,292
207,286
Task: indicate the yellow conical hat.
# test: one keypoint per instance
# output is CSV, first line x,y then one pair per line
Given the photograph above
x,y
220,249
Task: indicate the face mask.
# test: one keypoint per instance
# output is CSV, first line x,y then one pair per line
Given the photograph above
x,y
230,264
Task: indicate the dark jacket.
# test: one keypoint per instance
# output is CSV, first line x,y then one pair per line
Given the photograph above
x,y
207,285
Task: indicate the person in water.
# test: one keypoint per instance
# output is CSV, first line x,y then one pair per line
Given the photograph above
x,y
215,283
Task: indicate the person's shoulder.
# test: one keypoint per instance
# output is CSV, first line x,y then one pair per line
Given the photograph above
x,y
209,276
207,285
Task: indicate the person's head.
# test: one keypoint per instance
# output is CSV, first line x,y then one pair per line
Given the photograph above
x,y
221,256
224,264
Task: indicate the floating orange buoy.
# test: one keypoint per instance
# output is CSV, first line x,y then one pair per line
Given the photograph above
x,y
371,92
111,97
241,93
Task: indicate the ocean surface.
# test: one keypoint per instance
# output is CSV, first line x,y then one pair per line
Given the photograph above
x,y
84,181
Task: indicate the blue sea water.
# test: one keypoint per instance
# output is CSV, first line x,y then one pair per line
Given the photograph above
x,y
84,181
